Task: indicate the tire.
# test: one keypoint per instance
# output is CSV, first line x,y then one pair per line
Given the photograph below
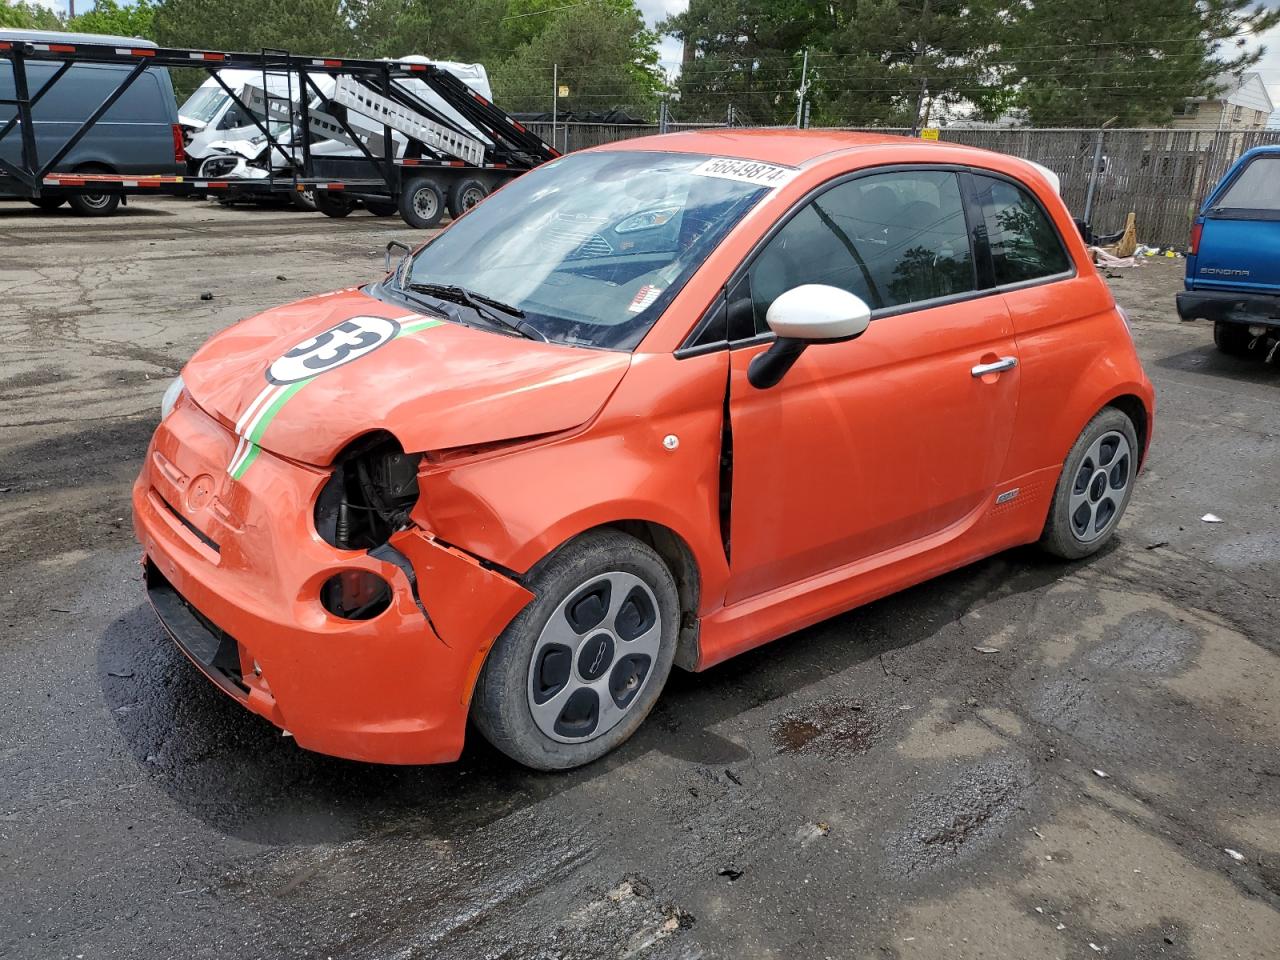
x,y
1094,488
304,200
47,204
94,204
465,194
577,633
421,203
333,206
382,208
1233,338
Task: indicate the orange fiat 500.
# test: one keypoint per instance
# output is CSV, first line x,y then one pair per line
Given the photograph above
x,y
651,404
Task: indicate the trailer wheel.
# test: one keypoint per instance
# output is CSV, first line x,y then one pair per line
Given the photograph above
x,y
304,200
382,208
47,204
333,206
464,195
421,203
94,204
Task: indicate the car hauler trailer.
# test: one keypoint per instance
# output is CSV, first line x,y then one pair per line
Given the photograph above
x,y
407,153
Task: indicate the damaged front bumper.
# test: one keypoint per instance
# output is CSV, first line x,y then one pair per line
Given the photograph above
x,y
234,569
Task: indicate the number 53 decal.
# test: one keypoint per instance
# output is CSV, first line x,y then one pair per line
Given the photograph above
x,y
348,341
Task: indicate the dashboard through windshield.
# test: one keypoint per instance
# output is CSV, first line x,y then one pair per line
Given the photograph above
x,y
593,246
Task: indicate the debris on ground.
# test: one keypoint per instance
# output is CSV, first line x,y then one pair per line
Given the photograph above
x,y
206,295
1102,773
1211,518
987,649
729,872
1234,854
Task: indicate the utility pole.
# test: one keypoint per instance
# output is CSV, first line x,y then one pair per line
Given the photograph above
x,y
804,87
555,99
924,80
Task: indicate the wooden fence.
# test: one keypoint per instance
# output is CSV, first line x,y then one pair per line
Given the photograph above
x,y
1161,175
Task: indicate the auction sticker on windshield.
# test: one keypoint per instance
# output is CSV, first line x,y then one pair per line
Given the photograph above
x,y
746,171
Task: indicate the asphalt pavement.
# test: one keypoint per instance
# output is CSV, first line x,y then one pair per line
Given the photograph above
x,y
1107,781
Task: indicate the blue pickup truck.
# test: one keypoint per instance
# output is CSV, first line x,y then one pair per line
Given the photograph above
x,y
1233,262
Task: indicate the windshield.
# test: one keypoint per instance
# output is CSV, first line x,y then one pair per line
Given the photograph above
x,y
592,247
204,103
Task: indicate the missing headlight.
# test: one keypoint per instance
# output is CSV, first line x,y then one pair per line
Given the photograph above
x,y
373,488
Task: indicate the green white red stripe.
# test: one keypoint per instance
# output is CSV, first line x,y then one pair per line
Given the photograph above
x,y
267,404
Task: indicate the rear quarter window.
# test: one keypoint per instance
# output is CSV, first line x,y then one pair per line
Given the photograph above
x,y
1025,244
1257,187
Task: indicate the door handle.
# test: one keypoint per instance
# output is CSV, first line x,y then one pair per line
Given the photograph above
x,y
1004,363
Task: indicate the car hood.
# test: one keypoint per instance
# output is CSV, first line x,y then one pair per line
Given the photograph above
x,y
305,379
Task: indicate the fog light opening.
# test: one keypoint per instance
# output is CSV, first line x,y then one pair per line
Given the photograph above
x,y
355,595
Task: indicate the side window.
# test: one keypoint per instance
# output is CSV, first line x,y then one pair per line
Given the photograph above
x,y
1024,243
891,238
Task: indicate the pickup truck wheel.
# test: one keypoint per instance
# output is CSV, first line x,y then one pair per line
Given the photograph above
x,y
333,205
421,203
1094,487
578,670
1233,338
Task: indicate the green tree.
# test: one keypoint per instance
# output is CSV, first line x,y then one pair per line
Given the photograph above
x,y
606,57
1136,62
745,54
899,62
109,17
28,16
317,27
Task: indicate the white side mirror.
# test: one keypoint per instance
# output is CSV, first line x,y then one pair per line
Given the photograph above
x,y
804,315
816,312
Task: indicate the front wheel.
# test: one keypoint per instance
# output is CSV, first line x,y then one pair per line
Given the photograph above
x,y
1094,487
1233,338
577,671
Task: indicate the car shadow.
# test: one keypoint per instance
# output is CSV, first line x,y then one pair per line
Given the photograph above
x,y
238,774
1209,361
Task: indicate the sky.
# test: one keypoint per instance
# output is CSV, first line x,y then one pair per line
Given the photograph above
x,y
669,49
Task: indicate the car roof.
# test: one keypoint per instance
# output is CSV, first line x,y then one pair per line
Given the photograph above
x,y
789,147
55,36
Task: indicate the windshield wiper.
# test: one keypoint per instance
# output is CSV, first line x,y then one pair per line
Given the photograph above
x,y
481,304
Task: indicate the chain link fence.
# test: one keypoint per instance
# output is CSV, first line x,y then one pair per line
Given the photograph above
x,y
1161,175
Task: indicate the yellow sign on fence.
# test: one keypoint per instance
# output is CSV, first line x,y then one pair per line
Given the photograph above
x,y
929,133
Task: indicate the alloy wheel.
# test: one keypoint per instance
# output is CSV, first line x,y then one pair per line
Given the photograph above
x,y
1101,483
594,657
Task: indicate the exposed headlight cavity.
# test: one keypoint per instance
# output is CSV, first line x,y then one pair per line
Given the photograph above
x,y
171,394
373,488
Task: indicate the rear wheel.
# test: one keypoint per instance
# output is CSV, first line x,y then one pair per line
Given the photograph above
x,y
577,671
382,208
421,203
1233,338
333,204
1094,487
94,204
464,195
47,203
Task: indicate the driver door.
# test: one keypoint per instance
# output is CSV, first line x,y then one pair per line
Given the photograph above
x,y
884,445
